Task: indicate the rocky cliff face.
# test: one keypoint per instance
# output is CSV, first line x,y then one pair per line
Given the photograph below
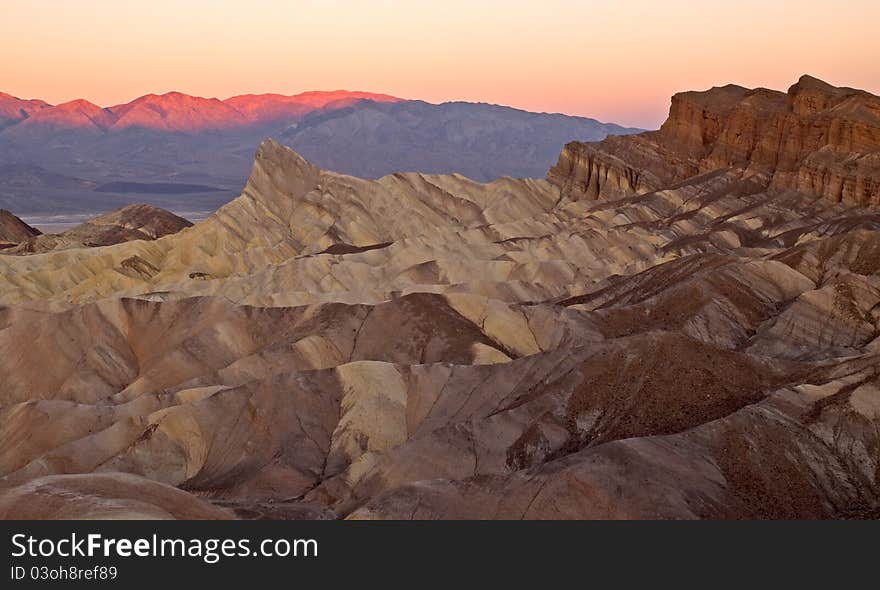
x,y
815,138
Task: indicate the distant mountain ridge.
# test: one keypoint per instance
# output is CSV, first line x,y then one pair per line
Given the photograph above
x,y
176,111
13,109
177,139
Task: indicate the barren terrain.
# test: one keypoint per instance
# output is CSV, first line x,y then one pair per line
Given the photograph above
x,y
678,324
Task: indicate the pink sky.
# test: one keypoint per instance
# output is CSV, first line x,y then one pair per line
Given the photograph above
x,y
616,61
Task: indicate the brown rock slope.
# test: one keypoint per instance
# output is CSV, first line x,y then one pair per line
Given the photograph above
x,y
132,222
13,230
104,496
429,347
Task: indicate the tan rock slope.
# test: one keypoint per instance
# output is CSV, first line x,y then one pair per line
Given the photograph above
x,y
425,346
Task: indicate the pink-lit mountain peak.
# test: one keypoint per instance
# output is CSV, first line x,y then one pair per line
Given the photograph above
x,y
175,111
77,113
8,99
319,98
266,107
13,108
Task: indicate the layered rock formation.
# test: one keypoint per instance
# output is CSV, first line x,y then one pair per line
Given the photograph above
x,y
816,138
425,346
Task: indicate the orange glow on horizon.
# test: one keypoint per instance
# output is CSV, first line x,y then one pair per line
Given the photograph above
x,y
615,61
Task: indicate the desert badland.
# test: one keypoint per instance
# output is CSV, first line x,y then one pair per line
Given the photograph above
x,y
680,323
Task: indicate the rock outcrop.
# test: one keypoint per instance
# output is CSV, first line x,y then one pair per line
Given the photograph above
x,y
817,139
13,230
133,222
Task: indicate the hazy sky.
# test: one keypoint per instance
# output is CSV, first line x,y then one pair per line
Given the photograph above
x,y
614,60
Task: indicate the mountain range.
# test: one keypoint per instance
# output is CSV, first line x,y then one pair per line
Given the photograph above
x,y
79,157
679,324
173,111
